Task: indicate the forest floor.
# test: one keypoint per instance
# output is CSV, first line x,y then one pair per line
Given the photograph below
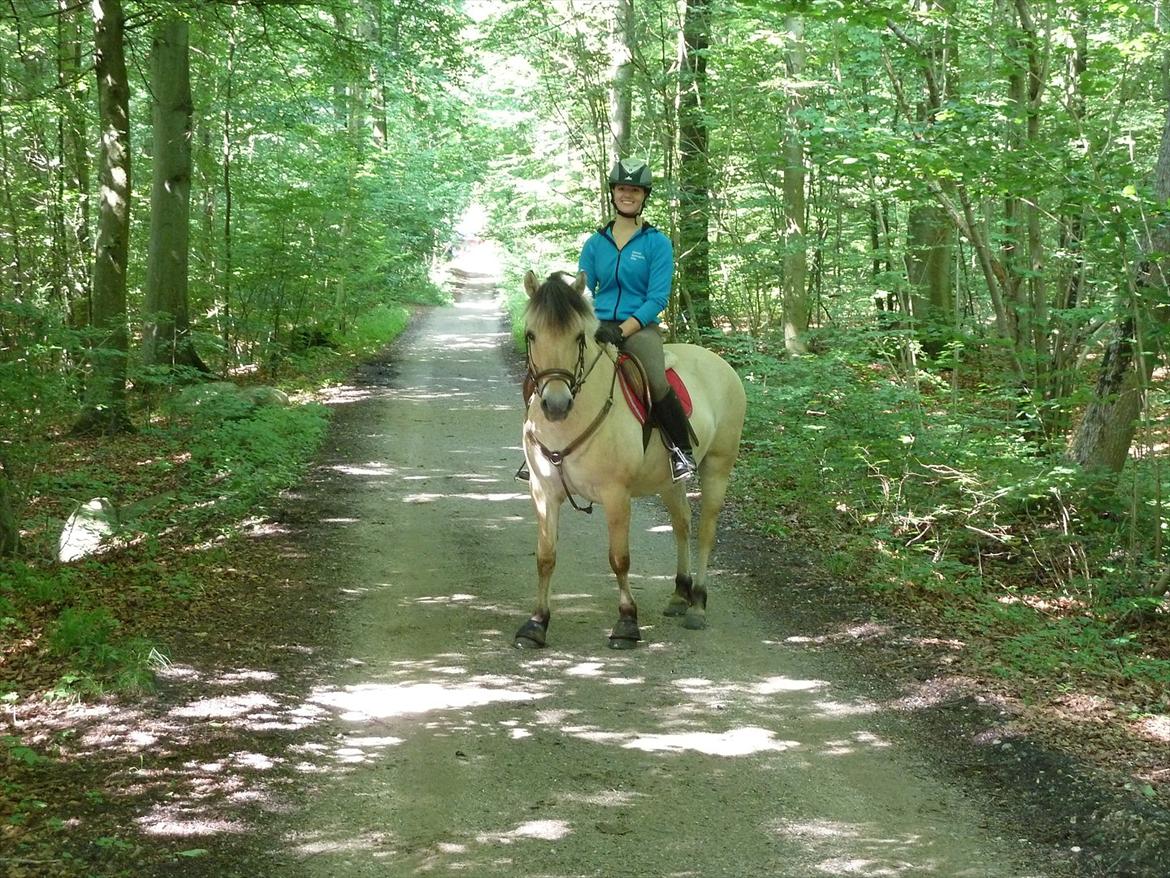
x,y
249,729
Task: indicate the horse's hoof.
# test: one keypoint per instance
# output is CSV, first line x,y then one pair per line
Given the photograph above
x,y
625,634
696,619
530,636
677,606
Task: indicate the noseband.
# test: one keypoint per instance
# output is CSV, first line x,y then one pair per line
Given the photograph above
x,y
574,379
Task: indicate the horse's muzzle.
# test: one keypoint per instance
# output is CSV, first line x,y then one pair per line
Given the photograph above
x,y
556,404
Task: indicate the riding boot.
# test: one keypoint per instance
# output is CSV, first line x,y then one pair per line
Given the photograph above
x,y
672,420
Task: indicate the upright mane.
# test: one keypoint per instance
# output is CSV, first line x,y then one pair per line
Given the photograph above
x,y
556,306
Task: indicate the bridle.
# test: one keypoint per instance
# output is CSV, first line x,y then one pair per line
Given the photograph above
x,y
575,379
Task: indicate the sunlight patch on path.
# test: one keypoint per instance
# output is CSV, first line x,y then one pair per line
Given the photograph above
x,y
548,830
382,700
744,741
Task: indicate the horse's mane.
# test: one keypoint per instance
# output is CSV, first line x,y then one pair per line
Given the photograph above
x,y
557,306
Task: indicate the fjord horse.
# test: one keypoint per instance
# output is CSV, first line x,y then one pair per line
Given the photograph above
x,y
581,443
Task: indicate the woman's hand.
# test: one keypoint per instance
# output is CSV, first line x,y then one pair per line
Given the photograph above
x,y
608,333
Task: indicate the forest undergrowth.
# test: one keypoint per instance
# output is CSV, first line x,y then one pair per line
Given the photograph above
x,y
1041,582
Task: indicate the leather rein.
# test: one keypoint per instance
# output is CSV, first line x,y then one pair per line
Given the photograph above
x,y
575,380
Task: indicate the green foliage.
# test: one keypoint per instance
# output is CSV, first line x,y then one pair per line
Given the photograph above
x,y
933,500
249,459
88,639
18,752
376,327
86,634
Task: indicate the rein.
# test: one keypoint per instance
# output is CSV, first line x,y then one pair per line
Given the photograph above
x,y
575,380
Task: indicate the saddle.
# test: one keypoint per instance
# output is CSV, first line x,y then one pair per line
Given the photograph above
x,y
636,390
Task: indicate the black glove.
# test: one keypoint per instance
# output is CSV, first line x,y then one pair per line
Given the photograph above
x,y
609,333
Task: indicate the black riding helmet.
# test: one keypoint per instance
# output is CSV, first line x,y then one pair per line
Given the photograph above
x,y
630,172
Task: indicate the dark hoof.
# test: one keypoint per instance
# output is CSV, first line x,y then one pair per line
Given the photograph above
x,y
625,634
530,636
696,619
677,606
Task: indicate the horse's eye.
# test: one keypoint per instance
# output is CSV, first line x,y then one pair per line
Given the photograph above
x,y
529,336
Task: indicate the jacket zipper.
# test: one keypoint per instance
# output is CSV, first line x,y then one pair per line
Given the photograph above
x,y
617,267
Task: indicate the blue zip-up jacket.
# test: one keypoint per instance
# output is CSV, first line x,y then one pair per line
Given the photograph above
x,y
633,281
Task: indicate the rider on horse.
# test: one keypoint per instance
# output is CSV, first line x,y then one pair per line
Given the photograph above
x,y
629,266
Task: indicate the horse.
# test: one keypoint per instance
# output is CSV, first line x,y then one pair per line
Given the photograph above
x,y
578,443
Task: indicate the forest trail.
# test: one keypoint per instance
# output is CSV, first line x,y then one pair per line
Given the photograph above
x,y
355,707
728,752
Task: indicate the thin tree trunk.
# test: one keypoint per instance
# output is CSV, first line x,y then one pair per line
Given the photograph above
x,y
13,263
76,167
378,100
797,310
166,326
9,527
226,158
105,398
694,167
620,93
1068,325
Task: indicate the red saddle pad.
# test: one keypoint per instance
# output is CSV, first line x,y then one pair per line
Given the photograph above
x,y
637,401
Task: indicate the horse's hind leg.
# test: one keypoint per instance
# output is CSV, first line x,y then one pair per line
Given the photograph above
x,y
533,632
675,498
625,634
714,490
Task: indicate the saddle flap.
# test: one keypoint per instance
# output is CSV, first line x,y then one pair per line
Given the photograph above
x,y
636,389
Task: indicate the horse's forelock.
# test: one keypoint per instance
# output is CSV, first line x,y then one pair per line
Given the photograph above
x,y
558,307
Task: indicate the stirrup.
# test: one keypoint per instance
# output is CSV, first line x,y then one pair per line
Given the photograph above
x,y
682,464
522,474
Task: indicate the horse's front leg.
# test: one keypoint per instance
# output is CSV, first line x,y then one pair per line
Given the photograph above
x,y
625,634
675,499
548,512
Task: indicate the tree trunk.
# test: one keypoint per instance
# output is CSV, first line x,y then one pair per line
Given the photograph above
x,y
9,529
75,166
12,260
104,411
694,169
795,296
930,235
930,241
226,158
1105,433
380,77
620,93
166,340
1069,325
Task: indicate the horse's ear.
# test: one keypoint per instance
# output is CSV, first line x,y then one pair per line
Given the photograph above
x,y
579,282
531,285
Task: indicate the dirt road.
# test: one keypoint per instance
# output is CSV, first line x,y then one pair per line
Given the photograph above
x,y
725,752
